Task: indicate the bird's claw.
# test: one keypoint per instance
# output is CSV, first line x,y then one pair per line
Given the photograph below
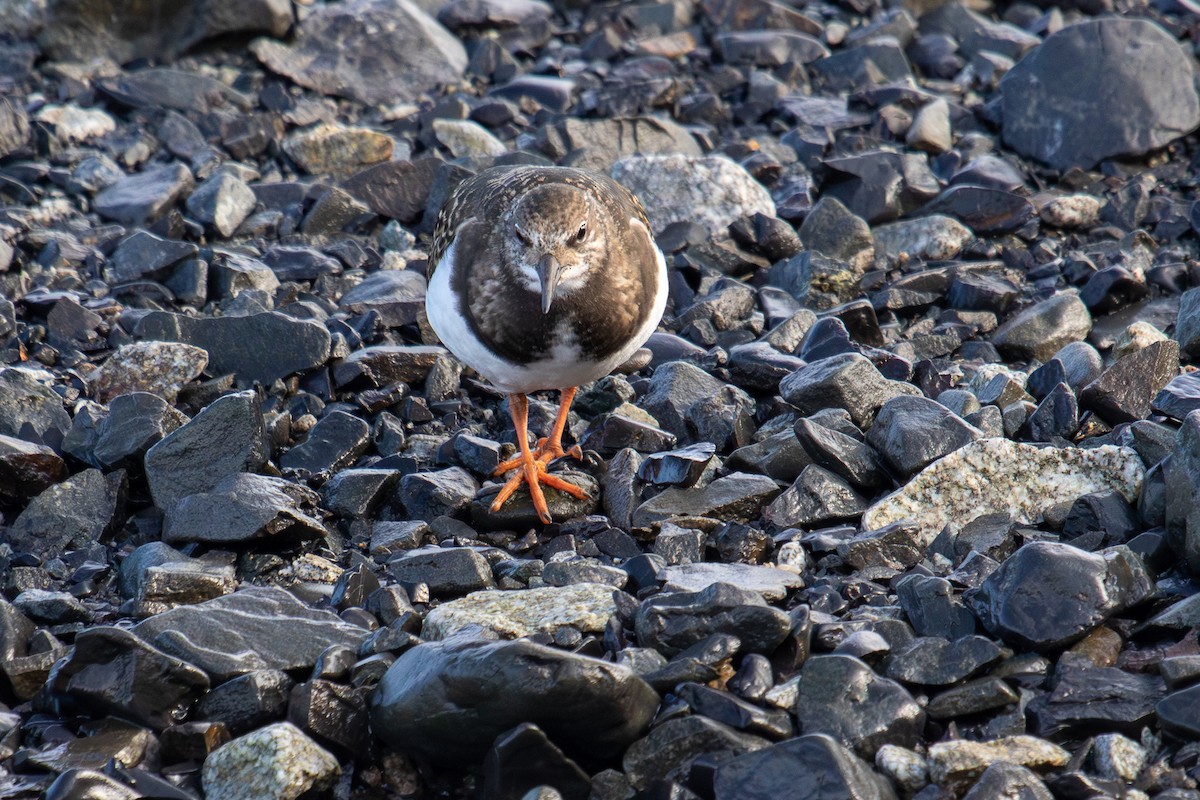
x,y
532,472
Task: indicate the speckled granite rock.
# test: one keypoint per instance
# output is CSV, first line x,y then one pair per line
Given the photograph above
x,y
992,476
583,606
955,764
278,762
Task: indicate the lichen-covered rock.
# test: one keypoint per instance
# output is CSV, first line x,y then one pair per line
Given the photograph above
x,y
932,238
512,614
159,368
994,476
278,762
957,763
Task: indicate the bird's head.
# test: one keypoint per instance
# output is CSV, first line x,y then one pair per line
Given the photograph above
x,y
555,236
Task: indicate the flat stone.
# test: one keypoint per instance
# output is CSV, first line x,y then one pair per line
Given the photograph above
x,y
771,582
143,198
737,496
932,238
445,570
397,295
158,368
244,508
957,763
339,150
257,628
411,52
1038,332
513,614
74,514
673,622
667,752
30,410
991,476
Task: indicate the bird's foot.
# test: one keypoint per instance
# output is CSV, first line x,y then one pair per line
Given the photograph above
x,y
546,452
531,470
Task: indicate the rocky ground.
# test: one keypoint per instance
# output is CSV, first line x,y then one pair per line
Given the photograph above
x,y
903,500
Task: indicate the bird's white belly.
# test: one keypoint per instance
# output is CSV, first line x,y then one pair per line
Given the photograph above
x,y
565,366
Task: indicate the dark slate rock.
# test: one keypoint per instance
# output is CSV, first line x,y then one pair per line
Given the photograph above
x,y
383,365
937,661
1180,397
1179,713
395,189
1124,391
985,210
872,63
135,422
14,127
1182,496
1038,332
1077,364
397,295
445,570
876,712
258,628
412,52
780,455
892,548
669,750
246,702
881,185
1008,780
1113,288
358,493
817,762
769,48
518,512
523,759
1088,699
817,496
972,697
1187,324
174,88
672,622
845,456
674,388
30,410
243,508
770,582
27,469
609,433
682,467
912,432
300,263
832,229
932,607
1057,416
223,201
849,381
1135,62
725,418
334,442
55,608
70,515
227,436
759,367
737,496
112,671
259,348
332,713
449,700
1048,594
143,198
1106,512
972,291
731,710
142,255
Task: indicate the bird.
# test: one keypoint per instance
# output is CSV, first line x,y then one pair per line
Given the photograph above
x,y
543,278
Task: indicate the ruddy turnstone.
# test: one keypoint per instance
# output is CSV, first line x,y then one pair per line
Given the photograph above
x,y
543,278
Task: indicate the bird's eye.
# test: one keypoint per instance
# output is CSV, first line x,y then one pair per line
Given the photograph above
x,y
523,235
582,234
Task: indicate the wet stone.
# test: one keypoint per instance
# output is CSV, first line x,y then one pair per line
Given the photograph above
x,y
446,570
935,661
482,688
671,747
159,368
30,410
143,198
1124,391
1001,779
252,629
817,496
246,702
770,582
1089,699
1049,594
932,607
912,432
334,442
672,622
135,422
332,713
730,710
737,496
523,759
815,761
1179,713
226,437
1180,396
70,515
244,508
879,711
849,381
518,512
27,469
972,697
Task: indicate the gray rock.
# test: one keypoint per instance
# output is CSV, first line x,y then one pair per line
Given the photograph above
x,y
158,368
259,348
445,570
380,365
513,614
398,296
223,201
938,661
334,442
848,381
712,190
672,622
817,496
1124,391
242,508
278,762
1180,397
135,422
1139,66
81,30
1038,332
830,228
31,410
875,712
257,628
73,514
674,388
14,127
1187,324
143,255
772,583
738,496
814,761
1049,594
1182,475
27,469
411,52
227,436
912,432
449,700
143,198
668,751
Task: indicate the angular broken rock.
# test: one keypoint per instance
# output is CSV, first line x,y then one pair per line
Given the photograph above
x,y
159,368
993,476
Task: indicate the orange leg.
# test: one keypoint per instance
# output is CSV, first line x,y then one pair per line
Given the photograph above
x,y
531,466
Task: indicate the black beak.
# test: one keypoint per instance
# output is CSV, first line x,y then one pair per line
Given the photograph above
x,y
547,270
